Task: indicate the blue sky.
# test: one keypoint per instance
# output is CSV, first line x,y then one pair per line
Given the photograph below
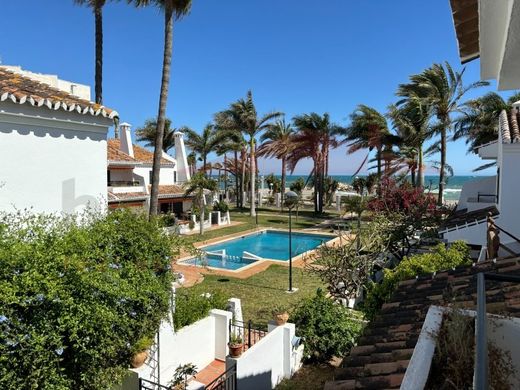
x,y
295,55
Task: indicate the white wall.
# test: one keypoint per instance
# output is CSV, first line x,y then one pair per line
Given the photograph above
x,y
471,189
270,360
51,161
166,175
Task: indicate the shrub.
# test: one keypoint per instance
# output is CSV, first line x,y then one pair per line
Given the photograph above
x,y
191,307
441,258
77,297
221,206
328,329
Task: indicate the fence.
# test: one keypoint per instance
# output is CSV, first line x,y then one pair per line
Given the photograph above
x,y
226,381
249,334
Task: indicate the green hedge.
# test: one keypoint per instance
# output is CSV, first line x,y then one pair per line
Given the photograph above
x,y
439,259
191,307
78,296
328,329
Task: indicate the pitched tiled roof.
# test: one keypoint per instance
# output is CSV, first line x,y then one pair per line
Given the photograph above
x,y
24,90
509,129
140,154
126,196
114,154
380,359
167,191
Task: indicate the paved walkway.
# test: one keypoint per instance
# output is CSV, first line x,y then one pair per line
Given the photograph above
x,y
211,372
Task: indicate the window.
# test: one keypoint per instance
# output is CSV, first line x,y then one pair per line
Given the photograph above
x,y
175,177
151,177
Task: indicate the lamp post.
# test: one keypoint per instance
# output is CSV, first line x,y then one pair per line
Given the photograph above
x,y
291,200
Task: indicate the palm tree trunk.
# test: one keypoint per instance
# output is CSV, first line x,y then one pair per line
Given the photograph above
x,y
243,176
378,158
204,165
236,180
420,176
284,174
165,83
252,169
98,17
443,165
201,222
412,174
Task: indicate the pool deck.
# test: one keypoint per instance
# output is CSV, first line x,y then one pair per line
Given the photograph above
x,y
195,274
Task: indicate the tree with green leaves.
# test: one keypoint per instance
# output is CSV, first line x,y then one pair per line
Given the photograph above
x,y
198,186
146,133
97,9
315,136
173,10
277,142
79,296
205,143
242,115
441,89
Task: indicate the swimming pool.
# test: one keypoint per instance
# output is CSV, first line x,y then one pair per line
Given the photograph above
x,y
267,244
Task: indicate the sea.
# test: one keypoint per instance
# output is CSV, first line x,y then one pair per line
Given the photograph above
x,y
451,192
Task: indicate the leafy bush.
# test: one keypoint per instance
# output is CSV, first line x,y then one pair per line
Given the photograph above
x,y
191,307
441,258
221,206
328,329
298,186
78,296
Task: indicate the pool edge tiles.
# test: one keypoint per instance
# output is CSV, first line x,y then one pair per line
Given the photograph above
x,y
329,239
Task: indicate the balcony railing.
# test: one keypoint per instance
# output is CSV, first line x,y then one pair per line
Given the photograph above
x,y
486,197
123,183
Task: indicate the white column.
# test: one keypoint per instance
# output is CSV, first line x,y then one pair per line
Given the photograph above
x,y
183,171
126,139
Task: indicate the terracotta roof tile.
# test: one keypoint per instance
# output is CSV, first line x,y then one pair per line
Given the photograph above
x,y
383,353
508,124
140,154
126,196
115,154
22,90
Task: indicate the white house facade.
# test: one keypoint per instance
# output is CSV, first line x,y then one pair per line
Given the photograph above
x,y
53,146
129,171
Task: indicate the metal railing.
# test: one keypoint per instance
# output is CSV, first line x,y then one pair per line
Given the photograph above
x,y
226,381
145,384
480,195
481,364
249,334
123,183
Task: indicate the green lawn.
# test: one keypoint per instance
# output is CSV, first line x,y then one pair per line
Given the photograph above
x,y
261,292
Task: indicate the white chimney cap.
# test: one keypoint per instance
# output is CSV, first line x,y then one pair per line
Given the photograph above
x,y
125,124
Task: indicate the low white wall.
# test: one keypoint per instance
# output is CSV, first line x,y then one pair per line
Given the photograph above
x,y
269,361
199,343
471,189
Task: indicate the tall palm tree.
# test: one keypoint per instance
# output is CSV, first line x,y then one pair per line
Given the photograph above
x,y
146,133
479,123
173,10
440,88
277,142
412,124
314,138
198,185
242,115
205,143
97,9
367,130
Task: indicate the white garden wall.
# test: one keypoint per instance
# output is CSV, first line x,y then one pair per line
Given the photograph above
x,y
269,361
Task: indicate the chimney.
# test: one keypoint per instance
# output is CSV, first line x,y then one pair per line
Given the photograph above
x,y
126,139
183,173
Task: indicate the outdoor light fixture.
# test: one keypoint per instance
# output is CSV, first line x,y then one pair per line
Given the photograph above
x,y
291,200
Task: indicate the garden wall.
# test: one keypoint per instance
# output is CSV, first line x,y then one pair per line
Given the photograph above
x,y
269,361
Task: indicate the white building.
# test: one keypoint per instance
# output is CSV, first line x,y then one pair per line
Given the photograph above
x,y
53,144
129,171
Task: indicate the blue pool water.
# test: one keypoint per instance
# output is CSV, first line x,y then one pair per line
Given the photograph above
x,y
267,244
270,244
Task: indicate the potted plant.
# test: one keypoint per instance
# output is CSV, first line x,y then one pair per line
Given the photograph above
x,y
235,345
180,377
140,352
280,315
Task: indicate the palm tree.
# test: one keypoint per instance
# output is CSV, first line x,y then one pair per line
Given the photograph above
x,y
441,89
242,115
97,9
314,138
277,142
412,124
367,130
146,133
173,10
205,143
198,185
479,123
